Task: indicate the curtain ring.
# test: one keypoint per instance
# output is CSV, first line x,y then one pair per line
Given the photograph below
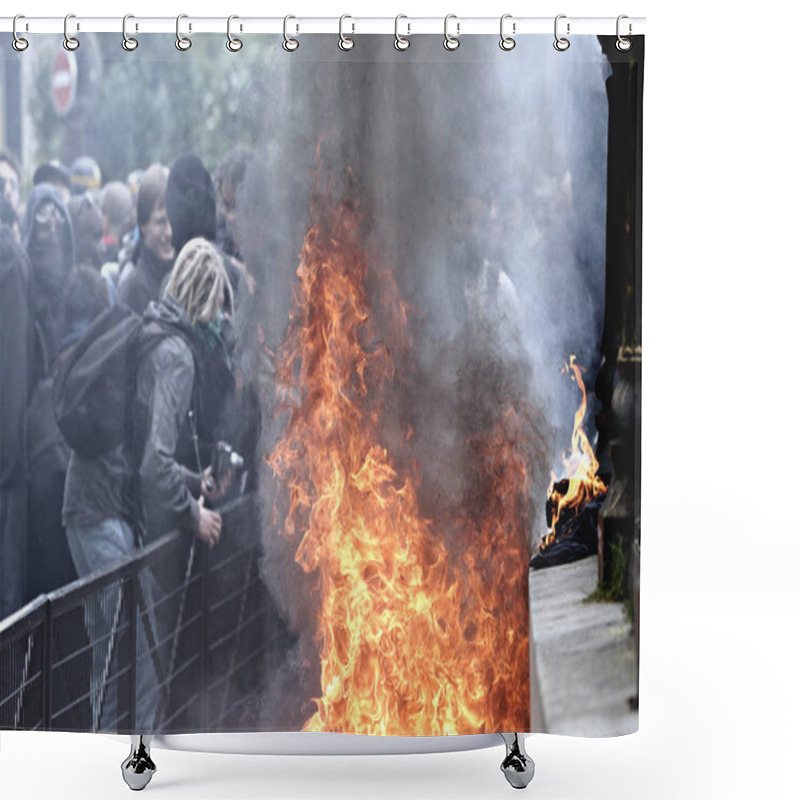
x,y
289,44
561,43
506,42
344,42
183,43
400,42
451,42
128,42
233,44
70,42
623,44
19,44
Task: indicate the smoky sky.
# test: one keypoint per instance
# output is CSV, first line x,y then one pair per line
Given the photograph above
x,y
458,158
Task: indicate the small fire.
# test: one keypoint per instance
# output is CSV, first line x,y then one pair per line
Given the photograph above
x,y
411,639
582,484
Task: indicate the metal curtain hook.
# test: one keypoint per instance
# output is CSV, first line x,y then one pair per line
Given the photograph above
x,y
623,44
561,43
289,44
19,44
506,42
233,44
128,42
400,42
344,42
70,42
182,42
451,42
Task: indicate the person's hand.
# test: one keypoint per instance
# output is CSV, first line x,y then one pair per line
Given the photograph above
x,y
218,488
210,528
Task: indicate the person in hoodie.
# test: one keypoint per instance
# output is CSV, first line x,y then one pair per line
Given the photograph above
x,y
34,272
49,563
143,276
152,483
48,240
17,381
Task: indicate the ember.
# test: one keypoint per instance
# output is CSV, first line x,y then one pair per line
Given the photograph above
x,y
411,639
573,503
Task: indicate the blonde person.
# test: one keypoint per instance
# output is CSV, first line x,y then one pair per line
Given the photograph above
x,y
170,389
151,484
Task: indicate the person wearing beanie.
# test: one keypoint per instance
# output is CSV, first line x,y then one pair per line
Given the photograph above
x,y
190,202
85,175
191,206
56,174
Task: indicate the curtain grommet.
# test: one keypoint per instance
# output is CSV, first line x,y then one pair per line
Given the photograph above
x,y
19,43
507,43
451,43
623,44
129,43
345,43
183,43
561,43
71,43
401,43
233,44
290,44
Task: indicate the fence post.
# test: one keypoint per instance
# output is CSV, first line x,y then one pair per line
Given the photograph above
x,y
133,643
47,670
204,700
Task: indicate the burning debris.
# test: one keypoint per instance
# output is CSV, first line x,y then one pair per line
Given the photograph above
x,y
413,637
573,503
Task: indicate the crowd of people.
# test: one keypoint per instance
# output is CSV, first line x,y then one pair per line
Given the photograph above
x,y
162,244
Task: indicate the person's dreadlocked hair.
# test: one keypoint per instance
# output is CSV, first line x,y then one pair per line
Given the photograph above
x,y
199,282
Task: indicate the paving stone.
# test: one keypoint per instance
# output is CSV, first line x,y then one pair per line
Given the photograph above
x,y
584,661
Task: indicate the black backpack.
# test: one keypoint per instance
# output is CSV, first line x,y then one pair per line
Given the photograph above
x,y
95,383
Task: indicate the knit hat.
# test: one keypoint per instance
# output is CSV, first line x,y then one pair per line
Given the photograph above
x,y
190,202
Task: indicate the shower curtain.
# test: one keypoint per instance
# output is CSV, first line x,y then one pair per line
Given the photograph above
x,y
417,400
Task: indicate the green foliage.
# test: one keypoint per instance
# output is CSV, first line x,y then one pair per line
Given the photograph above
x,y
136,108
613,591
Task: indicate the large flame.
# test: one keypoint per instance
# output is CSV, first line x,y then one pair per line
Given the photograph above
x,y
583,483
411,639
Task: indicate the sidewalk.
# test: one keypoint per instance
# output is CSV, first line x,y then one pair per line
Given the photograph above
x,y
583,660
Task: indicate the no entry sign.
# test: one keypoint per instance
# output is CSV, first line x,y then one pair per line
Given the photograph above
x,y
63,81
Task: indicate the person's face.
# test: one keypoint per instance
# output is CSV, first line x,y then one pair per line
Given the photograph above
x,y
157,234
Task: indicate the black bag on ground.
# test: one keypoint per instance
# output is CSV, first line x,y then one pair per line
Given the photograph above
x,y
94,384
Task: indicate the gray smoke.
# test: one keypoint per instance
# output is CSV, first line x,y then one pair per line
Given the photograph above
x,y
482,175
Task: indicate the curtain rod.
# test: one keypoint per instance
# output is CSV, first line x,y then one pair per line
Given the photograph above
x,y
407,26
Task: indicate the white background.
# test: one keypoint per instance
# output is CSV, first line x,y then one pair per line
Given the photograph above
x,y
720,553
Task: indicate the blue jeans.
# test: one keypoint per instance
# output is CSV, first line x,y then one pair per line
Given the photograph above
x,y
96,547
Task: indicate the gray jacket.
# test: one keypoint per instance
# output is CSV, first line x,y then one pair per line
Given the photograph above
x,y
164,396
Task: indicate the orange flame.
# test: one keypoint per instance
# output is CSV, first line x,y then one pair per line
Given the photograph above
x,y
581,464
411,640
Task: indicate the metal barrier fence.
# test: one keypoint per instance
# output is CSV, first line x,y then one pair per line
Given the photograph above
x,y
175,639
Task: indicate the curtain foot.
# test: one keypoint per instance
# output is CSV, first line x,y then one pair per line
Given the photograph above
x,y
517,766
138,768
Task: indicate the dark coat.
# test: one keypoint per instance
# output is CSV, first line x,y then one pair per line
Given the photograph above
x,y
140,284
17,379
17,347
